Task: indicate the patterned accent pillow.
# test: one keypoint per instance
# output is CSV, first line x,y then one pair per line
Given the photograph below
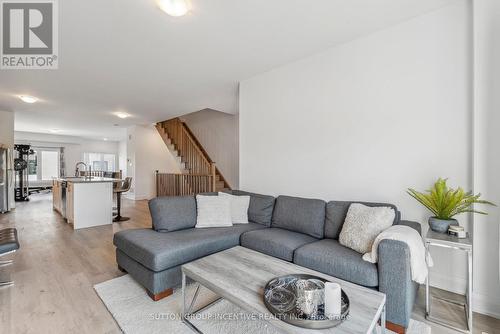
x,y
362,225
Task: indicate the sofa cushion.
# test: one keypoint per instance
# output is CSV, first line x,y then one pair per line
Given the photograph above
x,y
173,213
153,281
330,257
336,211
160,251
261,207
276,242
302,215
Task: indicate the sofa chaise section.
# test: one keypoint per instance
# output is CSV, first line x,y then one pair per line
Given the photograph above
x,y
158,251
153,256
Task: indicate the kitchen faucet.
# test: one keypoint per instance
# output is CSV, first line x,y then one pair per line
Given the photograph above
x,y
77,170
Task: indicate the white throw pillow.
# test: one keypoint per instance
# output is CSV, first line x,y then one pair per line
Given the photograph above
x,y
363,224
213,211
239,208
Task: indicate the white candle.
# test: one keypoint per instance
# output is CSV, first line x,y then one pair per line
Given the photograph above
x,y
333,301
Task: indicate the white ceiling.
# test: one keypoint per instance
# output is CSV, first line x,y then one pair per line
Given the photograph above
x,y
127,55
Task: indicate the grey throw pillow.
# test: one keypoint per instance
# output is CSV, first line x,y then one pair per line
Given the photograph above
x,y
173,213
363,224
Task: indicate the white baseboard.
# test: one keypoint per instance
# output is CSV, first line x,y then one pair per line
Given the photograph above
x,y
485,305
480,303
137,197
141,197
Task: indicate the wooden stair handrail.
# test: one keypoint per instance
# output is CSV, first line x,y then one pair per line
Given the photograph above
x,y
196,141
197,161
203,151
188,147
196,144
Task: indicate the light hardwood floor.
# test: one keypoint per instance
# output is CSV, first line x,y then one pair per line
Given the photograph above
x,y
56,268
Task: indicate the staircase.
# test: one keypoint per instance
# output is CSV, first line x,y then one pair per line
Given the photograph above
x,y
198,172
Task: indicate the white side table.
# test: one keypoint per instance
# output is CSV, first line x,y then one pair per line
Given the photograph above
x,y
444,240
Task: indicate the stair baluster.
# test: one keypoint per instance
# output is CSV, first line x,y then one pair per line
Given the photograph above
x,y
200,172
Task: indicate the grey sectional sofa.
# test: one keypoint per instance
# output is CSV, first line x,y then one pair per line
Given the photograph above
x,y
303,231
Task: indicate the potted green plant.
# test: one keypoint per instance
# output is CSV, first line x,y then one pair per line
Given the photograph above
x,y
445,203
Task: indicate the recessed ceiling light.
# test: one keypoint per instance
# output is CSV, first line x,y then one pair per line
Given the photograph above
x,y
174,7
105,139
121,114
28,99
55,130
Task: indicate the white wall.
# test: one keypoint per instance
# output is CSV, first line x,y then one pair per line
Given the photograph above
x,y
7,140
7,128
366,120
146,153
131,146
75,147
486,152
122,156
218,133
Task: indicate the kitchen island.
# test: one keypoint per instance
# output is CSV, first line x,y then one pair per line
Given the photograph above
x,y
84,201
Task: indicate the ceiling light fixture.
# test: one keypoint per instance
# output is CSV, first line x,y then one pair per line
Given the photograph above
x,y
28,99
105,139
174,7
121,114
55,130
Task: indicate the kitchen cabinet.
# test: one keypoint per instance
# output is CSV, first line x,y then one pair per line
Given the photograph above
x,y
84,202
57,196
69,203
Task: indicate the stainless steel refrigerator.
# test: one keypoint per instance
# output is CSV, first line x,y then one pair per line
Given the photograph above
x,y
6,180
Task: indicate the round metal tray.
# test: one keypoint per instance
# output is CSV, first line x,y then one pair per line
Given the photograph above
x,y
280,298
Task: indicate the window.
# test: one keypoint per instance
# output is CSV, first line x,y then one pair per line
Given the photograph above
x,y
43,164
109,160
33,166
50,165
100,161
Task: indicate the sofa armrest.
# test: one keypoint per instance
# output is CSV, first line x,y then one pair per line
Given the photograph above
x,y
395,281
173,213
416,226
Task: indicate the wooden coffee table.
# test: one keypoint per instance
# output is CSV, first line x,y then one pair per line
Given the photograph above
x,y
239,276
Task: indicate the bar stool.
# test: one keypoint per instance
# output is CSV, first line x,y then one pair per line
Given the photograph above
x,y
8,245
123,188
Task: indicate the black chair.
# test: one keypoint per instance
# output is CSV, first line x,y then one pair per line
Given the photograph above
x,y
8,245
123,188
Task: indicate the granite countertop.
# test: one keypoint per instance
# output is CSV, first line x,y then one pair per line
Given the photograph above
x,y
93,179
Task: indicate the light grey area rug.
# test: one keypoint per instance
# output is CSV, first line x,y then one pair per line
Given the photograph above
x,y
136,313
